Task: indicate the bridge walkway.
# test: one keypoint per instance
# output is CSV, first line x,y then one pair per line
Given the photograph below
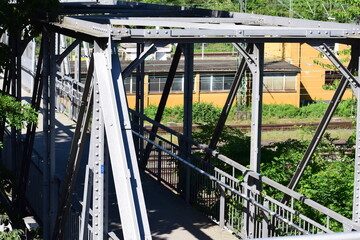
x,y
169,216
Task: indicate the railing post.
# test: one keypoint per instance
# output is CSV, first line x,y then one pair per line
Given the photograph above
x,y
265,222
187,186
159,161
222,204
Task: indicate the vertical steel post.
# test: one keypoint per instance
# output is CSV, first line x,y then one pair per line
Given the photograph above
x,y
106,187
139,101
121,144
12,87
52,162
16,134
66,64
159,151
222,204
83,234
97,144
356,198
46,116
188,51
256,67
256,114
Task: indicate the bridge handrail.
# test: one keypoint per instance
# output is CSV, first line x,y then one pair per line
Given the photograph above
x,y
246,171
220,183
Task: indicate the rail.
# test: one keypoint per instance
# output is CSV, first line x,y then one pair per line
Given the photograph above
x,y
225,194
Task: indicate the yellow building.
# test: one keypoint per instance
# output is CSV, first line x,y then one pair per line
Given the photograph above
x,y
291,76
313,79
212,81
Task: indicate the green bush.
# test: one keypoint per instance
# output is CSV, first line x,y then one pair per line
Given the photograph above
x,y
346,108
313,110
280,111
150,111
202,112
205,112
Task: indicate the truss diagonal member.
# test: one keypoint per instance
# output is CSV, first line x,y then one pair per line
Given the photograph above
x,y
321,128
150,50
122,153
162,104
31,128
75,156
227,106
338,64
67,51
247,56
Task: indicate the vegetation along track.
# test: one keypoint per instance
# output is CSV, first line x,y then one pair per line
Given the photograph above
x,y
275,127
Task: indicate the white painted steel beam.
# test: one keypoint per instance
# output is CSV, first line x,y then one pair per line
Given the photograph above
x,y
97,146
356,197
121,146
203,30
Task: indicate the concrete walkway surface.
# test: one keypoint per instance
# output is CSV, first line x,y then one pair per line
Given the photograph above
x,y
169,216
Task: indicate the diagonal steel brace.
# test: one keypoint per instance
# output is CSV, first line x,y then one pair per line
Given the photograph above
x,y
227,106
162,104
327,116
134,64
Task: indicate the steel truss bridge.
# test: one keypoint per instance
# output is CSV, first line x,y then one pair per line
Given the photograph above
x,y
120,143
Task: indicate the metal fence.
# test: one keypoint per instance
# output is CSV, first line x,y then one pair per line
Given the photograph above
x,y
228,194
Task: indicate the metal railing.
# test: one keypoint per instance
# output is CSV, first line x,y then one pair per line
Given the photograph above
x,y
227,196
69,95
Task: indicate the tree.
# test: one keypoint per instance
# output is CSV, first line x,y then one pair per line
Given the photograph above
x,y
19,21
324,10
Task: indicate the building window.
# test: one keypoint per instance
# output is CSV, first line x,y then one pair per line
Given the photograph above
x,y
332,80
216,82
157,83
130,84
332,77
279,81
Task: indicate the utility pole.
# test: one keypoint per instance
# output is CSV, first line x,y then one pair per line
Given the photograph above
x,y
242,6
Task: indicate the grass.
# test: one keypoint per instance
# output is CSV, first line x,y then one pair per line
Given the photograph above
x,y
300,134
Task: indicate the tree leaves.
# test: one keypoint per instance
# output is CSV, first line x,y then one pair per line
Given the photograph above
x,y
16,114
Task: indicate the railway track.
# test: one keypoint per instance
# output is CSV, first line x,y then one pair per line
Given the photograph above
x,y
275,127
